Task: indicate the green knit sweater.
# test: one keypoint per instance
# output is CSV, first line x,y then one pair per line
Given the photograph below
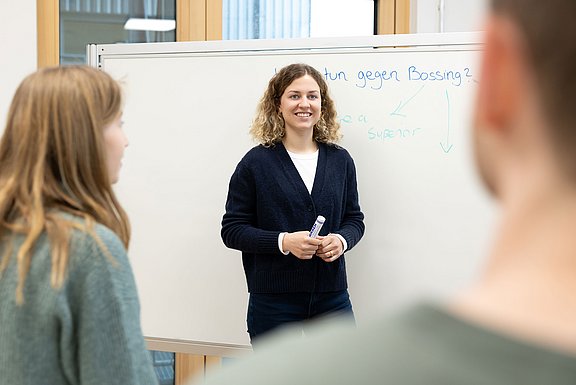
x,y
87,332
424,345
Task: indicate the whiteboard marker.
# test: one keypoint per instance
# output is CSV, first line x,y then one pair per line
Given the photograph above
x,y
317,226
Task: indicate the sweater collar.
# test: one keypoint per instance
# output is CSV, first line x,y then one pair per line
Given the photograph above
x,y
293,175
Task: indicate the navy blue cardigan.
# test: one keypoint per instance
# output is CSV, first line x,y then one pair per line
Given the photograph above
x,y
267,196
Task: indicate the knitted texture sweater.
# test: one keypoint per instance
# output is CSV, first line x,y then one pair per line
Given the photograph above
x,y
87,332
267,196
423,344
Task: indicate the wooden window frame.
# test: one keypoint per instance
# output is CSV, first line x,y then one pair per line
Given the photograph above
x,y
392,16
48,32
198,20
195,20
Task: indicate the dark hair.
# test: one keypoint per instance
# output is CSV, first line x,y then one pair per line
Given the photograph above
x,y
268,125
549,28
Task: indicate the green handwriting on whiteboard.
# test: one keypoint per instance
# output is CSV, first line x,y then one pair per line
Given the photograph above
x,y
373,133
390,134
397,127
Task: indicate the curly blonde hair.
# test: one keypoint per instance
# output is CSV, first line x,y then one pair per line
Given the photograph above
x,y
268,125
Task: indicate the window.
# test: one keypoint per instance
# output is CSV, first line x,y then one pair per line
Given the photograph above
x,y
274,19
105,21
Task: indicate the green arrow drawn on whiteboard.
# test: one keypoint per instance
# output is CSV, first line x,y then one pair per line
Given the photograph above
x,y
448,146
403,104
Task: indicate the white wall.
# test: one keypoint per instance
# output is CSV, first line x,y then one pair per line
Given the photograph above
x,y
18,36
458,15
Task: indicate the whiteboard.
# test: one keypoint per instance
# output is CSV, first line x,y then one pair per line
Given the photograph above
x,y
405,114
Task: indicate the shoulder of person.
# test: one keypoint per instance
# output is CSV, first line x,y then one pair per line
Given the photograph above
x,y
336,150
291,360
96,245
333,351
259,153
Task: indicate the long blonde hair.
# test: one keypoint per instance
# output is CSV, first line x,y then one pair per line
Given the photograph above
x,y
268,126
52,161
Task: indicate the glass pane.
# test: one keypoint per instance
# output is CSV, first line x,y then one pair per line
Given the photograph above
x,y
282,19
163,366
104,21
342,18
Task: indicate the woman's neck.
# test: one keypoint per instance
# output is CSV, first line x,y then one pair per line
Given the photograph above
x,y
300,144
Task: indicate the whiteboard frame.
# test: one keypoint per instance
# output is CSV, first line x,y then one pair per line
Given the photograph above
x,y
97,53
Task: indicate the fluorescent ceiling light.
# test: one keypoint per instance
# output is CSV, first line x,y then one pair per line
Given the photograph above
x,y
161,25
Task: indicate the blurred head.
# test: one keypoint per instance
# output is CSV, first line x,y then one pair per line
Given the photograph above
x,y
269,126
60,152
528,78
62,124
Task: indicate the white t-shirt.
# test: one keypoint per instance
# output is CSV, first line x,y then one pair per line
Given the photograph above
x,y
306,166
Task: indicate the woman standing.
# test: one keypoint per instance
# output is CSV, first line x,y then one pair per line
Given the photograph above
x,y
69,310
275,195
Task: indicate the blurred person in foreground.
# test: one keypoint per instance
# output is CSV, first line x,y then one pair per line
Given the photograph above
x,y
516,324
69,310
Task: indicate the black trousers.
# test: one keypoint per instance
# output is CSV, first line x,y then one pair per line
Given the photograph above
x,y
267,312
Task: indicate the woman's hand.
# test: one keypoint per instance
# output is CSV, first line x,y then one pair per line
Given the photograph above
x,y
300,244
330,248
